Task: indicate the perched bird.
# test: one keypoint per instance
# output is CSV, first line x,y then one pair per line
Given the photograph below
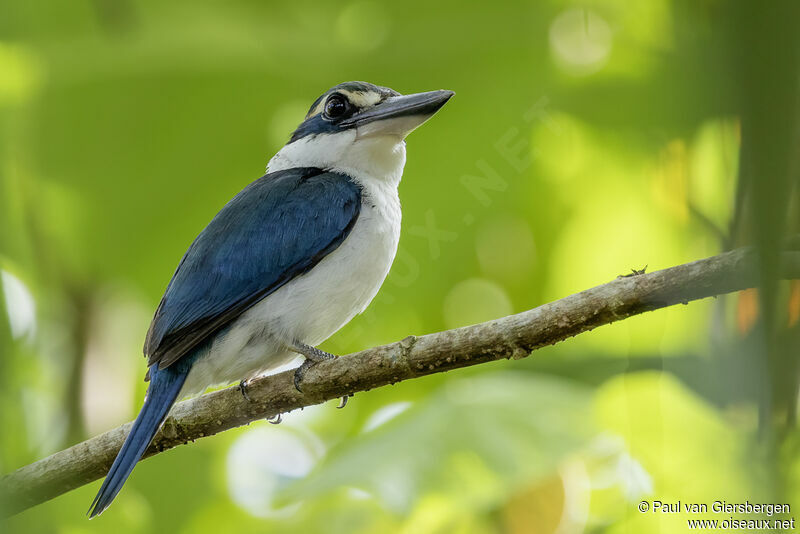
x,y
287,262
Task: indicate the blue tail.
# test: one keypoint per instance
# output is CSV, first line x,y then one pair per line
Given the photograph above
x,y
165,384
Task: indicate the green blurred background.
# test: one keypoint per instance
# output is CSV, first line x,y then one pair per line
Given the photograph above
x,y
585,139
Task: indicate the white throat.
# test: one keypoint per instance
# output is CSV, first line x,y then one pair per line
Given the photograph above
x,y
372,158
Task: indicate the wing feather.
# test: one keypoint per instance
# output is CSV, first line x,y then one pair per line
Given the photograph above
x,y
277,228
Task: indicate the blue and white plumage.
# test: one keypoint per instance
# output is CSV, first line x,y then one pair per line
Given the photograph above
x,y
287,262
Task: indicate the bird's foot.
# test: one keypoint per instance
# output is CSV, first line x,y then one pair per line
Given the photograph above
x,y
300,372
275,419
313,357
243,389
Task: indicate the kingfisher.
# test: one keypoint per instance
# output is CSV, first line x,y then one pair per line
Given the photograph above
x,y
286,263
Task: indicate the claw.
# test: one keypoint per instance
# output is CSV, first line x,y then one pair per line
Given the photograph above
x,y
300,372
343,402
313,356
275,419
243,389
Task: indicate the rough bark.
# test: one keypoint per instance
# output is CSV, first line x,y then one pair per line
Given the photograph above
x,y
514,336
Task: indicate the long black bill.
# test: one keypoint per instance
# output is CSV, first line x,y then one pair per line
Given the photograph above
x,y
402,106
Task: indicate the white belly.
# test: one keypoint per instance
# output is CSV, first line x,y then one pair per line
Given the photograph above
x,y
311,307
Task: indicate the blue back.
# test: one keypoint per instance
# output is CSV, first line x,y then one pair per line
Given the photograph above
x,y
277,228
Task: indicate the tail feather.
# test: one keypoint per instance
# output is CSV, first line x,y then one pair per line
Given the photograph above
x,y
165,384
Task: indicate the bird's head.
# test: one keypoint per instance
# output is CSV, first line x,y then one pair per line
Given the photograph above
x,y
359,129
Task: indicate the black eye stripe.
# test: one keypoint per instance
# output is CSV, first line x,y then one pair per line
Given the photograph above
x,y
319,122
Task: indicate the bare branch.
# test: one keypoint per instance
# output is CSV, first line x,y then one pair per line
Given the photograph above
x,y
514,336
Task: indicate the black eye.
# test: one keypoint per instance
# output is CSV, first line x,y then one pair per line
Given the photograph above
x,y
335,107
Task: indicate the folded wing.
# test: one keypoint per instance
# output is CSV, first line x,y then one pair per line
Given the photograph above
x,y
277,228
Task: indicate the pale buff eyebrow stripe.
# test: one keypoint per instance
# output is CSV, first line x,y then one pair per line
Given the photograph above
x,y
362,100
317,109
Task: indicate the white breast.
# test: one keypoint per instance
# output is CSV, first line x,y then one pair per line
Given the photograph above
x,y
313,306
341,286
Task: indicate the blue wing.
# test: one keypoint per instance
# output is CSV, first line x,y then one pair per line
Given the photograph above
x,y
277,228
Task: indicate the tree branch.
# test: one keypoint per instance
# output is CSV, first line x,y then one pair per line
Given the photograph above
x,y
514,336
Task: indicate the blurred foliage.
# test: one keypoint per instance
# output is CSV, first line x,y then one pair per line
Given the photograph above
x,y
586,139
